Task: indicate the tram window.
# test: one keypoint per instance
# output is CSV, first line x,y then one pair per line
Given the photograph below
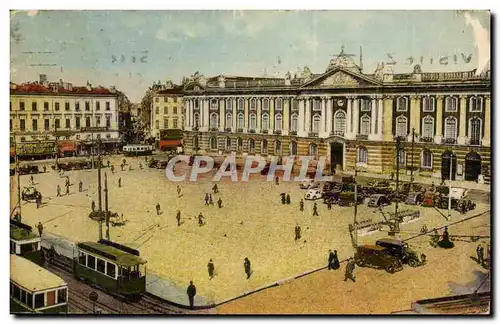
x,y
82,258
111,270
51,298
23,296
39,300
101,265
61,296
17,293
90,262
28,247
29,300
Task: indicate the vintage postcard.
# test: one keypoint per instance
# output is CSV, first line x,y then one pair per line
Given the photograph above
x,y
250,162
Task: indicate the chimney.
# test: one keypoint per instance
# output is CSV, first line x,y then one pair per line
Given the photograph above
x,y
43,78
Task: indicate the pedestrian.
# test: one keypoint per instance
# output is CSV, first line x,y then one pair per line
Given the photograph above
x,y
480,254
191,292
315,210
211,269
44,169
283,198
109,163
67,189
38,202
80,186
288,200
121,166
207,198
215,189
58,191
140,165
297,232
219,202
146,158
335,262
158,208
277,180
434,238
119,182
179,191
130,167
67,181
200,220
112,169
211,200
178,217
329,204
331,257
248,269
301,205
32,180
349,270
40,228
92,206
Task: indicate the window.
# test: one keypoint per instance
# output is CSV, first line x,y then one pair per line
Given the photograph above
x,y
87,121
91,261
450,128
451,104
165,123
108,135
402,157
293,148
428,127
108,105
111,270
362,155
213,143
229,120
157,124
33,106
316,123
253,104
165,110
46,124
264,147
476,104
10,125
157,110
475,130
339,123
17,292
427,159
77,122
29,300
39,300
108,121
35,125
97,121
316,104
23,139
175,110
57,123
56,106
97,105
228,144
278,122
265,104
364,104
21,106
175,123
214,120
87,105
196,104
158,99
82,258
295,123
253,121
251,145
175,99
401,126
402,104
45,106
279,104
239,144
428,104
365,125
277,147
241,104
295,104
77,106
61,296
313,150
196,120
265,122
241,121
229,104
66,106
213,104
101,265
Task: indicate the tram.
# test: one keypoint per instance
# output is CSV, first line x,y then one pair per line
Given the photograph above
x,y
116,268
25,243
35,290
137,150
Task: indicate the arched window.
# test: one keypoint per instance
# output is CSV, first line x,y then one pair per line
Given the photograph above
x,y
475,130
339,123
313,150
476,104
229,104
293,148
241,120
213,104
316,123
213,143
265,104
401,126
251,145
241,104
253,121
214,120
277,122
239,144
277,147
426,159
450,128
253,104
228,144
196,120
451,104
279,104
265,122
402,157
295,123
365,125
362,155
229,120
428,127
402,104
263,146
428,104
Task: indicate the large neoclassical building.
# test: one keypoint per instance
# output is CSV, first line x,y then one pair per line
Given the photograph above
x,y
348,116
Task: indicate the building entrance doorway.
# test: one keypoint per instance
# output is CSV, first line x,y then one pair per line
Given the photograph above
x,y
336,156
472,166
445,165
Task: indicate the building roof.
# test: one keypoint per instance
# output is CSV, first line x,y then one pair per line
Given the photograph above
x,y
21,234
32,277
111,253
58,88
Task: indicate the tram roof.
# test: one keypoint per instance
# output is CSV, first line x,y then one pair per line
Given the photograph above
x,y
118,256
20,234
31,276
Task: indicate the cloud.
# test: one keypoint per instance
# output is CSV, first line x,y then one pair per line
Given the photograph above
x,y
251,23
482,40
182,27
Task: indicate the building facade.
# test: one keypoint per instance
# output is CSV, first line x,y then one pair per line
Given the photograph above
x,y
61,118
350,117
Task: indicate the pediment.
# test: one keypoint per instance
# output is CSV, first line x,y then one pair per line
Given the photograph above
x,y
339,79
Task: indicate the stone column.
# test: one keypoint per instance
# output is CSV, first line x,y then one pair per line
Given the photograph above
x,y
387,131
259,109
235,116
286,115
206,113
271,115
439,120
222,115
349,118
246,115
416,121
301,122
380,119
308,115
355,119
329,113
487,120
322,125
462,135
373,118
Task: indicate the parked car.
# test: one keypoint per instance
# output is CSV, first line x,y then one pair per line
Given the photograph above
x,y
332,186
401,250
309,184
30,193
347,199
313,194
331,196
28,169
414,198
377,257
378,200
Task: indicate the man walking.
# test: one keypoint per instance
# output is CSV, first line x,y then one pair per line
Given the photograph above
x,y
297,232
301,205
80,186
67,188
158,208
179,191
206,199
40,229
92,205
191,292
315,210
349,270
331,256
210,199
32,180
211,269
200,220
215,189
277,180
283,198
329,204
178,217
119,182
288,200
219,202
480,254
248,269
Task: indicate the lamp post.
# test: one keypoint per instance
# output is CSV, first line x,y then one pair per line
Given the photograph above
x,y
396,206
106,205
412,150
99,185
18,177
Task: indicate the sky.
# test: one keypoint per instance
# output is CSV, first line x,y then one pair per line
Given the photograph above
x,y
133,49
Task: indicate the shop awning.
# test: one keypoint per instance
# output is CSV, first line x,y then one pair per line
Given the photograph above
x,y
67,146
170,143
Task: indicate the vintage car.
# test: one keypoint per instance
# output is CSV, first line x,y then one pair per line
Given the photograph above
x,y
377,257
28,169
455,192
378,200
465,205
309,184
401,250
331,197
347,180
30,193
313,194
347,199
332,186
414,198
